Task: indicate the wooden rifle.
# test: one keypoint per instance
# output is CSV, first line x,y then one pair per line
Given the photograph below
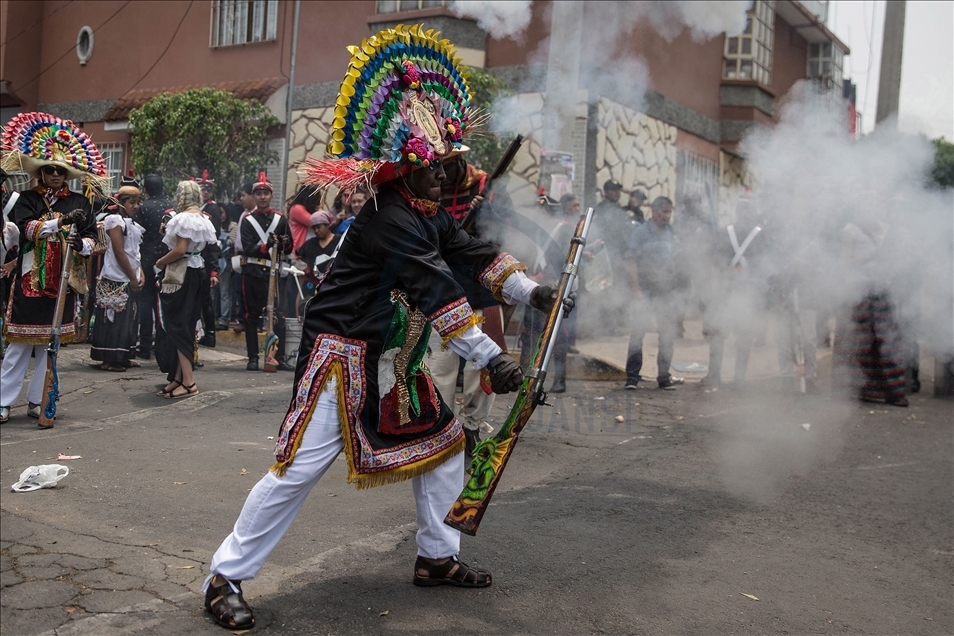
x,y
271,342
471,219
51,381
491,455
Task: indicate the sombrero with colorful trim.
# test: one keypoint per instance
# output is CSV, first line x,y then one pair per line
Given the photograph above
x,y
403,104
33,140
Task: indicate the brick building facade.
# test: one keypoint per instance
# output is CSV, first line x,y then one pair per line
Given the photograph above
x,y
92,62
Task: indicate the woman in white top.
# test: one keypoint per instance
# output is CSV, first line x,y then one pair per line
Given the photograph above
x,y
120,279
180,291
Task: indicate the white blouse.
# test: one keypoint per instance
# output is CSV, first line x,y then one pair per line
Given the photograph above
x,y
132,239
194,226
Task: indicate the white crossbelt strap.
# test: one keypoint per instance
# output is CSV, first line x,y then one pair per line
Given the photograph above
x,y
10,203
263,234
739,258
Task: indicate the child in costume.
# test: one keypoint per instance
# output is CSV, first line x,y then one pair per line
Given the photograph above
x,y
120,280
360,385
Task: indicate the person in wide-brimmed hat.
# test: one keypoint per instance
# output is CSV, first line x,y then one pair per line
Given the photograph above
x,y
53,150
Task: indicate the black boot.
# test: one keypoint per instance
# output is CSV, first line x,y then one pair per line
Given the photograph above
x,y
252,364
208,340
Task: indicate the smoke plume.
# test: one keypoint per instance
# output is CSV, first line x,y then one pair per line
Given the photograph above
x,y
499,19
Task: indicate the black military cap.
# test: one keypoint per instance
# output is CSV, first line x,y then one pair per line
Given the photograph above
x,y
612,184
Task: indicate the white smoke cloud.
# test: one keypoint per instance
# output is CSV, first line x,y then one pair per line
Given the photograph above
x,y
499,19
704,20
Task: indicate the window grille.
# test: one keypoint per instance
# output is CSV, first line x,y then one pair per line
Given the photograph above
x,y
243,21
749,56
394,6
825,62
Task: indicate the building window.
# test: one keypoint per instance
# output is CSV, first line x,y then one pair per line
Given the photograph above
x,y
393,6
243,21
825,61
749,56
84,45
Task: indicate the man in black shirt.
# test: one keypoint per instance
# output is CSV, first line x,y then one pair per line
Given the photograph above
x,y
150,217
210,254
260,231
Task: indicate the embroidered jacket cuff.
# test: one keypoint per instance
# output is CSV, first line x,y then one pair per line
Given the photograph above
x,y
517,288
454,319
495,275
476,346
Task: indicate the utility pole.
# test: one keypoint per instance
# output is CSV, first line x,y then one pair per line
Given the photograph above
x,y
289,98
889,84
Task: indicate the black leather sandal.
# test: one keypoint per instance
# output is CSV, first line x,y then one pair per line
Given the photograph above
x,y
449,571
228,608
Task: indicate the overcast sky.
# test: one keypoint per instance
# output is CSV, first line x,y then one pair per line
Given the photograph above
x,y
927,67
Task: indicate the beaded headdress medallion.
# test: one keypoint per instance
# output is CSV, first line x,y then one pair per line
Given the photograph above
x,y
403,104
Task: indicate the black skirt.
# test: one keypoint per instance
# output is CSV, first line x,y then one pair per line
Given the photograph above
x,y
178,315
114,339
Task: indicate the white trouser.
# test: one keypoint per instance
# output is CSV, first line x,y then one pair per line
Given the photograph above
x,y
275,501
16,361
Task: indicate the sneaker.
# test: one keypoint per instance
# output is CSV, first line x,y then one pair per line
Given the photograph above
x,y
33,410
631,385
4,414
671,383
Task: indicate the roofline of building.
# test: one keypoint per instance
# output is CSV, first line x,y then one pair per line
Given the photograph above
x,y
813,21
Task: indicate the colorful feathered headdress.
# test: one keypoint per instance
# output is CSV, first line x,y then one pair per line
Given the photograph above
x,y
404,103
33,140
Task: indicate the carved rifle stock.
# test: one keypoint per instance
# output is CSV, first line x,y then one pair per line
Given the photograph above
x,y
491,455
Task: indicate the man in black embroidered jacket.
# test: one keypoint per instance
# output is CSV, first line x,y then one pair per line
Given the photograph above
x,y
365,334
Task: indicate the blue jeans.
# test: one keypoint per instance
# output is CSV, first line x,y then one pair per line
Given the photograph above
x,y
664,309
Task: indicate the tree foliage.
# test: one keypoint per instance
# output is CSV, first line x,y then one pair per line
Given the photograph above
x,y
486,148
943,171
178,135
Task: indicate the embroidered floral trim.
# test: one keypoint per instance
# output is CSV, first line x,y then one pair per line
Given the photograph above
x,y
399,362
454,319
496,273
37,334
424,207
328,349
342,358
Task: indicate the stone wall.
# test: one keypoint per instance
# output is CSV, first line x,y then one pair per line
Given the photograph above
x,y
310,132
635,149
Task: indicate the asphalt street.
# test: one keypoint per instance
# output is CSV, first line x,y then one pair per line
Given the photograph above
x,y
700,512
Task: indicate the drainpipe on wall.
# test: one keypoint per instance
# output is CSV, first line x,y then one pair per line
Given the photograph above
x,y
289,98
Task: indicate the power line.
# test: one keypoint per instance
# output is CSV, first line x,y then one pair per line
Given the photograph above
x,y
72,48
52,13
166,50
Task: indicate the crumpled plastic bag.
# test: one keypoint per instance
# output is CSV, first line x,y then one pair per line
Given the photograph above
x,y
36,477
